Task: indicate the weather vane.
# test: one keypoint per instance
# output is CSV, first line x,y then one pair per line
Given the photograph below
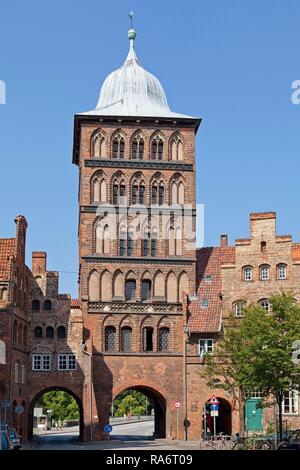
x,y
130,14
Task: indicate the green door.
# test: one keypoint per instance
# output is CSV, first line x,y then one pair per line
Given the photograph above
x,y
253,415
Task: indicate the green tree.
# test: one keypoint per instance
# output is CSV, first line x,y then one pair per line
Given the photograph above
x,y
255,353
62,405
130,401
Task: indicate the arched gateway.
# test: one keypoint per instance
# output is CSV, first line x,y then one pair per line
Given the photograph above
x,y
36,398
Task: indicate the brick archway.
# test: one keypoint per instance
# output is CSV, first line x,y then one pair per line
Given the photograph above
x,y
51,389
159,404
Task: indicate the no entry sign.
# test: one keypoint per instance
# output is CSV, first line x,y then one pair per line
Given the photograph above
x,y
177,404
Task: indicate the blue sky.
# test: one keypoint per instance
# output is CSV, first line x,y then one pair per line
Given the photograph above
x,y
230,62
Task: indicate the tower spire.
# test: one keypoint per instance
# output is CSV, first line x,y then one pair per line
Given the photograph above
x,y
131,32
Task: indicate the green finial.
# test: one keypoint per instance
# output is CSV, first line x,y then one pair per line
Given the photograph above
x,y
131,32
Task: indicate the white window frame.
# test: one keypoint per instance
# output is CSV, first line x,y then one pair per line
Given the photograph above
x,y
237,304
205,347
279,267
291,398
264,272
44,359
263,301
204,303
247,269
68,358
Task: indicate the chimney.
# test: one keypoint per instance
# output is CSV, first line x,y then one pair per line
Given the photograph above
x,y
39,260
223,241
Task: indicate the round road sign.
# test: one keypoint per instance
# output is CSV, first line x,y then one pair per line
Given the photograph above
x,y
177,404
19,409
108,428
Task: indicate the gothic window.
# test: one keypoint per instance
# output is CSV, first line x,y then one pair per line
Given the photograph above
x,y
118,147
154,194
94,287
118,285
137,148
130,288
106,286
161,195
164,334
38,332
148,338
174,193
119,193
130,244
126,335
106,240
145,245
159,285
142,194
183,285
172,251
122,244
180,193
134,198
176,148
157,148
171,288
35,305
49,332
146,289
61,332
281,271
110,338
153,245
98,145
47,305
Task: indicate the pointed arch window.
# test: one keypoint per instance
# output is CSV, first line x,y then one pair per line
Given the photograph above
x,y
126,339
130,289
118,147
146,289
35,305
47,305
157,148
110,338
119,193
154,194
161,195
164,334
148,338
98,145
176,148
137,148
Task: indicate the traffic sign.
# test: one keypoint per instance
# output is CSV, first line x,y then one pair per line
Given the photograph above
x,y
214,407
177,404
6,404
108,428
214,413
213,400
19,409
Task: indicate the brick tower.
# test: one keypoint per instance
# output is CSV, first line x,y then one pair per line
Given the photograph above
x,y
137,200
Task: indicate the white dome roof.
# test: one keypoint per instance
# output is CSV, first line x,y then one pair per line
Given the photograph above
x,y
132,91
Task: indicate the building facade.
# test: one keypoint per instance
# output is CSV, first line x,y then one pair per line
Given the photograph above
x,y
150,304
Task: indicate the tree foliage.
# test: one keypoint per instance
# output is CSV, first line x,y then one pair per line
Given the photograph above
x,y
131,402
255,352
62,405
